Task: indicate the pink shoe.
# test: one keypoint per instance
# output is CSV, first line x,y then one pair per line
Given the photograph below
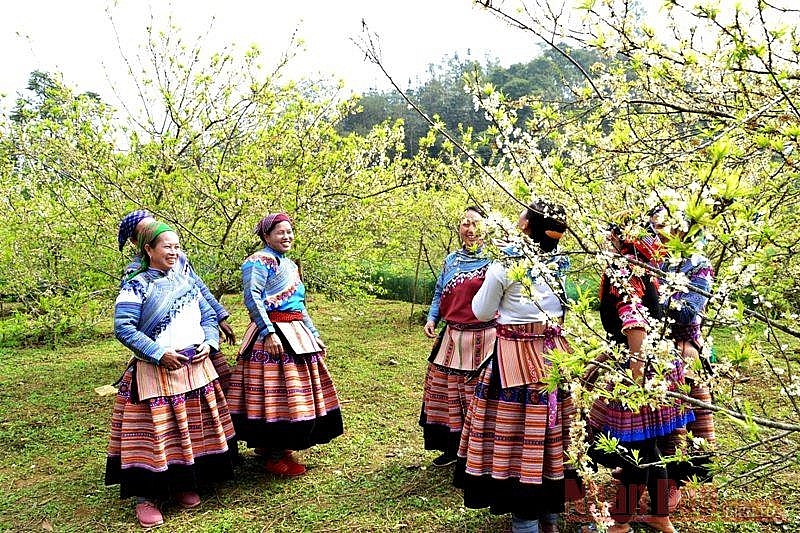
x,y
188,500
148,515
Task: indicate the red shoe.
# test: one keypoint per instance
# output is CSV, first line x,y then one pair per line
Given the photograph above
x,y
188,500
285,466
148,515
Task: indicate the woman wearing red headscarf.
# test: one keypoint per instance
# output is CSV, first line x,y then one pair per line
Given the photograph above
x,y
629,311
281,395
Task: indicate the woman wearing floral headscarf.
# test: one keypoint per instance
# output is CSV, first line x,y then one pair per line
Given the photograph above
x,y
129,228
629,309
170,427
281,395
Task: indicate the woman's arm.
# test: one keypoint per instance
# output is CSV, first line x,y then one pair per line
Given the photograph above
x,y
208,321
127,312
487,299
685,306
434,310
256,271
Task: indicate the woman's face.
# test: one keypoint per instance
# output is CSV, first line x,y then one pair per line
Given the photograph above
x,y
469,229
523,222
163,252
281,237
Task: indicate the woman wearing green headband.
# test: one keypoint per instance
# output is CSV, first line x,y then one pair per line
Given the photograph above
x,y
170,428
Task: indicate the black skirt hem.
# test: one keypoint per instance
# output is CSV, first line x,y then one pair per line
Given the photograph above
x,y
527,501
439,437
288,435
176,478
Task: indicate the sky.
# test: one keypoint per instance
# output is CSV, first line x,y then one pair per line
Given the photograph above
x,y
77,39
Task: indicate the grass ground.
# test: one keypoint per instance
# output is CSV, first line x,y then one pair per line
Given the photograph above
x,y
376,477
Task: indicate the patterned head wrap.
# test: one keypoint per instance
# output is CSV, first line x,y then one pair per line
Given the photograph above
x,y
266,224
128,224
147,236
637,238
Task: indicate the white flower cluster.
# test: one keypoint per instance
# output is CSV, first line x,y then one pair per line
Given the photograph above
x,y
793,387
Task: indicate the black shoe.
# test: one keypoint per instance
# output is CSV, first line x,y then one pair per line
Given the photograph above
x,y
444,460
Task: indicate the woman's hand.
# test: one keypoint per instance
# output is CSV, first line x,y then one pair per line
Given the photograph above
x,y
273,344
321,344
172,360
227,332
430,329
203,351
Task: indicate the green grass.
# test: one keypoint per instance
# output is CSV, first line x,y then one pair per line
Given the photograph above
x,y
54,430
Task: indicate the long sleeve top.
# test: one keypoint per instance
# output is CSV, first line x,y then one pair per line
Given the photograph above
x,y
272,282
184,267
461,277
627,301
156,311
686,308
500,294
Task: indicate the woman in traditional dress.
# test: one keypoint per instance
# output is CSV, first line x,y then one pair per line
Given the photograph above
x,y
281,395
129,228
512,450
170,427
685,309
629,307
461,346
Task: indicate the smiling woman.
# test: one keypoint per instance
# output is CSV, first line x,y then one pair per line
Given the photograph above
x,y
281,395
170,428
162,252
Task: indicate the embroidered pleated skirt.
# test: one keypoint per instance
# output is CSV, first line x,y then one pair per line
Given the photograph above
x,y
450,383
283,402
611,417
166,445
223,369
513,444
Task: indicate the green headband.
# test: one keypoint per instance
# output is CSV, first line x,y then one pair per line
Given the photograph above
x,y
150,233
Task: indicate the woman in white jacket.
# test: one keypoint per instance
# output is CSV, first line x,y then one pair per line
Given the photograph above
x,y
511,455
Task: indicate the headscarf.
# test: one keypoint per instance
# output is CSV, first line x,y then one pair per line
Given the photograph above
x,y
266,224
128,224
147,236
638,238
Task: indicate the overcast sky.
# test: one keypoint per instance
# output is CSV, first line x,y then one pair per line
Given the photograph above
x,y
76,38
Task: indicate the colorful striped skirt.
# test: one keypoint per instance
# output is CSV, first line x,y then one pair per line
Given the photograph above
x,y
512,449
286,402
610,417
167,445
222,367
698,466
448,391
